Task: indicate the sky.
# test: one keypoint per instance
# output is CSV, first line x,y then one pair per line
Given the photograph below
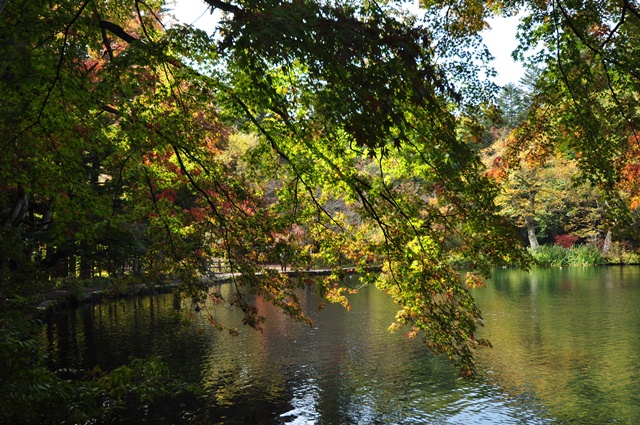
x,y
195,12
500,39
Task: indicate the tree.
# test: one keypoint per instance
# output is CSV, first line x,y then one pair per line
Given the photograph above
x,y
543,194
513,101
123,124
115,126
85,95
322,100
589,88
585,101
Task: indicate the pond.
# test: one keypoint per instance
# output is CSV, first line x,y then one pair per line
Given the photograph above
x,y
566,350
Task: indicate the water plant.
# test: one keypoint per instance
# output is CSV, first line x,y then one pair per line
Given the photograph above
x,y
584,255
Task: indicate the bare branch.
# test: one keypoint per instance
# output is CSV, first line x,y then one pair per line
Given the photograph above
x,y
144,27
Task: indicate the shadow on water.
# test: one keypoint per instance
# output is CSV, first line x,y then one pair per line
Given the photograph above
x,y
566,347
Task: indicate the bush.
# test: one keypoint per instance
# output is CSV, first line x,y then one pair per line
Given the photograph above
x,y
566,241
550,256
630,258
30,393
559,256
585,255
621,253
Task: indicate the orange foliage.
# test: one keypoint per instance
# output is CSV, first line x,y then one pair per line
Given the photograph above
x,y
498,170
630,172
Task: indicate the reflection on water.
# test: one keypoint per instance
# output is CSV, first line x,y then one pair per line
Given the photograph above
x,y
570,338
566,350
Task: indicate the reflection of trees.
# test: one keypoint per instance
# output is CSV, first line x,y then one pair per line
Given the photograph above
x,y
571,342
347,365
565,337
109,334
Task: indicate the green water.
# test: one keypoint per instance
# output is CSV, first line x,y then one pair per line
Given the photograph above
x,y
566,350
570,338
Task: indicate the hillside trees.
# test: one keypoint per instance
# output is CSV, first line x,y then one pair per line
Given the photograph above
x,y
513,101
589,91
584,110
543,194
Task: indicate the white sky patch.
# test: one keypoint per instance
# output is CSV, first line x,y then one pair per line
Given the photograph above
x,y
196,13
501,41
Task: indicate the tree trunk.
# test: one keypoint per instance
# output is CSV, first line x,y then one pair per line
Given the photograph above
x,y
529,221
86,271
531,232
19,210
61,267
606,246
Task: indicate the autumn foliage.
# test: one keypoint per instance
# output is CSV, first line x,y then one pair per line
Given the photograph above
x,y
566,241
337,134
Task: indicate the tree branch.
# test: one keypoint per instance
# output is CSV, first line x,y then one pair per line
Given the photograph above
x,y
630,8
117,30
107,43
160,215
3,4
225,7
144,27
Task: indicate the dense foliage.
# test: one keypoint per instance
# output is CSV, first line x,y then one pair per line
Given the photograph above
x,y
314,133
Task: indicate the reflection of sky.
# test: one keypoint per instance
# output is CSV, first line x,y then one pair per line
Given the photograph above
x,y
475,409
304,401
465,405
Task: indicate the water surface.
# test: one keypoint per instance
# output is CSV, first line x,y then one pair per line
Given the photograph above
x,y
566,350
570,338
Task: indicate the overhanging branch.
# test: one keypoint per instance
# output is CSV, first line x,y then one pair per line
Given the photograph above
x,y
117,30
225,7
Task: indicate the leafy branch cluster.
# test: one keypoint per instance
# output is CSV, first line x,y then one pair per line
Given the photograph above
x,y
309,133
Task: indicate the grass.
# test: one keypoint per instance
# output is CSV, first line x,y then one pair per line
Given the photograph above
x,y
577,255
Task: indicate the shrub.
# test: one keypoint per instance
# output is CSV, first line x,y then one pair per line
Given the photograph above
x,y
550,256
630,258
566,241
585,255
577,255
621,253
30,393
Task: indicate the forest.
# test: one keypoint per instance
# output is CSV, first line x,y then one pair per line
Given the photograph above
x,y
345,134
